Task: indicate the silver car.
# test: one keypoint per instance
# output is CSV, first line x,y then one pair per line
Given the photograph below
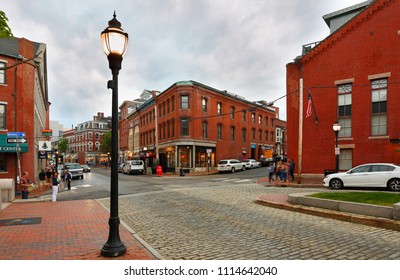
x,y
230,165
384,175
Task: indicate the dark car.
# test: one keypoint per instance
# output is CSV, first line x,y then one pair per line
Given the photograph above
x,y
86,168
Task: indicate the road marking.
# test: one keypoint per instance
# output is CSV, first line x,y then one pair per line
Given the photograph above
x,y
243,181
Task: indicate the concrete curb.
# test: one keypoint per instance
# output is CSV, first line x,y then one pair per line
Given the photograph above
x,y
332,214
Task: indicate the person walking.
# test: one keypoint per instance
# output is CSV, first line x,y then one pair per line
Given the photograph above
x,y
55,183
291,169
42,179
24,183
68,178
271,171
49,174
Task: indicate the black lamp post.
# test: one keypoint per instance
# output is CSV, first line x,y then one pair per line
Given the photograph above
x,y
115,43
336,129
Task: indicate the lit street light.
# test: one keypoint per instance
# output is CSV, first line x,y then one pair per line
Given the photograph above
x,y
336,129
115,43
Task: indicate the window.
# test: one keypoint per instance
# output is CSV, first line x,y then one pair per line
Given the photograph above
x,y
232,112
97,136
253,134
3,162
266,135
344,109
272,136
244,135
219,108
205,134
2,116
184,102
260,135
168,107
379,107
184,127
204,104
97,146
173,104
219,131
232,133
90,134
244,115
90,146
253,117
266,121
2,73
259,119
345,159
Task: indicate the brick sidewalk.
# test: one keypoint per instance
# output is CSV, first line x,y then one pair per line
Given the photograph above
x,y
70,230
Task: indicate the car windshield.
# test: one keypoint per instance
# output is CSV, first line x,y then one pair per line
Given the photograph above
x,y
137,162
223,162
72,166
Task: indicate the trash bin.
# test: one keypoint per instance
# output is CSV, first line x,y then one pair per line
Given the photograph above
x,y
159,170
329,171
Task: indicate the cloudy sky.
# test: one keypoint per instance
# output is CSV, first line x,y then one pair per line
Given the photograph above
x,y
241,46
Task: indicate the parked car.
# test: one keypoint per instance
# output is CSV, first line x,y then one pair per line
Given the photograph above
x,y
86,168
230,165
75,169
383,175
133,167
251,163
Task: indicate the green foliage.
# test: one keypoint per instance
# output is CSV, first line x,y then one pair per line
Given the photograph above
x,y
63,145
5,30
376,198
106,143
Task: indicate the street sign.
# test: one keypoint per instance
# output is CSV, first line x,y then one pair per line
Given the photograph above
x,y
45,146
16,134
16,140
47,132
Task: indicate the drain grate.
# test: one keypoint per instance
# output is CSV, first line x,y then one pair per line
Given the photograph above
x,y
21,221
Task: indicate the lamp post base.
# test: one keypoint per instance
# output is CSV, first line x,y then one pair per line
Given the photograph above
x,y
114,247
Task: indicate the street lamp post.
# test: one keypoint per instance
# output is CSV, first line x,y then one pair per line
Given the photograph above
x,y
115,43
336,129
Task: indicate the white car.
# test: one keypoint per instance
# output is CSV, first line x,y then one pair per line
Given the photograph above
x,y
252,163
230,165
133,167
385,175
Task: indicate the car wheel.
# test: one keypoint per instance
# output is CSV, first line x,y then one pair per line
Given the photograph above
x,y
233,170
336,183
394,184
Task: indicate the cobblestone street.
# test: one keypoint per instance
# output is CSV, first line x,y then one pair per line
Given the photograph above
x,y
224,222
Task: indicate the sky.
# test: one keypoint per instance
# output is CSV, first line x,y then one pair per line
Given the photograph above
x,y
241,46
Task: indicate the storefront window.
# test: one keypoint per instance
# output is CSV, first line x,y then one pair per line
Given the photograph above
x,y
201,157
2,162
185,157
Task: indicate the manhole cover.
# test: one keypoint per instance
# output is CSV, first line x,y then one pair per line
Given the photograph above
x,y
21,221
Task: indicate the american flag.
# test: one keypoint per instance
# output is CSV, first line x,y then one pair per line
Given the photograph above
x,y
309,110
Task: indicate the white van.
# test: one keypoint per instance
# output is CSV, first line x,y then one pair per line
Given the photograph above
x,y
133,167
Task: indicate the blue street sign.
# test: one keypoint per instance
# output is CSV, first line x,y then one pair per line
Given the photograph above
x,y
16,134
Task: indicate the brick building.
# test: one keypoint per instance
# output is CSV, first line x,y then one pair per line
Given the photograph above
x,y
352,76
24,106
84,141
194,126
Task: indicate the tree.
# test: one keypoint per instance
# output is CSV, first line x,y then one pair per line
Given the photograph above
x,y
63,145
106,142
5,30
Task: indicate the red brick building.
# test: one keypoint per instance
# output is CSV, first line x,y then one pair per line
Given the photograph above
x,y
24,106
194,126
352,76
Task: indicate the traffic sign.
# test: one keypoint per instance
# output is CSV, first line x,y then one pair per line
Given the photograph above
x,y
16,134
16,140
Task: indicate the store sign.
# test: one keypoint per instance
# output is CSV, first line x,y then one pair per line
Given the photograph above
x,y
45,146
12,146
42,155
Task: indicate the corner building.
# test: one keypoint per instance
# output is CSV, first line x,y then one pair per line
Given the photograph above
x,y
352,76
193,126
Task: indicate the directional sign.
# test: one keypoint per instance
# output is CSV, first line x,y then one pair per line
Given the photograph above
x,y
16,140
16,134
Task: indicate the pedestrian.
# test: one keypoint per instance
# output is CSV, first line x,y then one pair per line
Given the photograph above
x,y
42,179
24,183
55,184
271,171
278,170
49,174
68,178
283,173
291,169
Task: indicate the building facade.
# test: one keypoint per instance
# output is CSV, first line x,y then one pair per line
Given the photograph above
x,y
24,106
193,126
353,77
84,141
